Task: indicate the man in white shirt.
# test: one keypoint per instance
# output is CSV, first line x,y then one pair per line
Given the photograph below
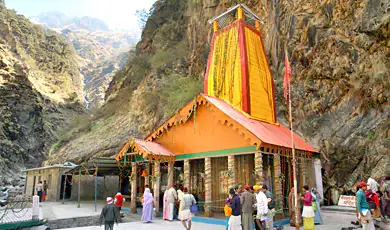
x,y
262,206
180,195
171,199
372,185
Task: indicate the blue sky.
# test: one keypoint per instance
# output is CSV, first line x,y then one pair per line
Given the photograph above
x,y
116,13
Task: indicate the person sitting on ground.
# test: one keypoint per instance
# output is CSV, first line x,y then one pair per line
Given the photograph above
x,y
110,214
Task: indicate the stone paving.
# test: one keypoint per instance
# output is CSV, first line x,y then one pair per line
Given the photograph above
x,y
156,225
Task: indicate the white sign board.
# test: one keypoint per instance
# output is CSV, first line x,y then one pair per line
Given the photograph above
x,y
348,201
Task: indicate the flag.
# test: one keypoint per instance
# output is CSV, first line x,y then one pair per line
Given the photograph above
x,y
287,76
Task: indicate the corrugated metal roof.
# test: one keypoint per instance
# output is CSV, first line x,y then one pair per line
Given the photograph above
x,y
269,133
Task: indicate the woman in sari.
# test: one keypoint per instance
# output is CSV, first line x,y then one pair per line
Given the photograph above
x,y
317,211
165,206
147,206
307,213
291,207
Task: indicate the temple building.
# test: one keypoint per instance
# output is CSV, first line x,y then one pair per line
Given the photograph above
x,y
229,134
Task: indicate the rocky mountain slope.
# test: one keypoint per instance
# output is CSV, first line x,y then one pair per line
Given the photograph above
x,y
58,20
340,56
101,52
40,90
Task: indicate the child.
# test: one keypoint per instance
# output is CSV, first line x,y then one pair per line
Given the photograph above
x,y
228,211
110,214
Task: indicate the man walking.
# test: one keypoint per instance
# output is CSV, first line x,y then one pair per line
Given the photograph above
x,y
171,200
247,202
363,208
110,213
271,207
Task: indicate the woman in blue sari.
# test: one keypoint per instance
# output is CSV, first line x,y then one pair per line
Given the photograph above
x,y
317,211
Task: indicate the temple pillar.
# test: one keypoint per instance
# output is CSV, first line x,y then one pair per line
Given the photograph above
x,y
318,178
305,173
156,189
259,177
278,182
187,177
170,173
147,170
232,170
208,187
133,182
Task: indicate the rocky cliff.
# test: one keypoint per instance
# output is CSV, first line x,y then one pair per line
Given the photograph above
x,y
40,90
339,51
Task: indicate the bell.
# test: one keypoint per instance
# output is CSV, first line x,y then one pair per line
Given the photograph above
x,y
144,173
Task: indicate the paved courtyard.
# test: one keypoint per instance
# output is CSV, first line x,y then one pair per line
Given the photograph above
x,y
332,220
157,225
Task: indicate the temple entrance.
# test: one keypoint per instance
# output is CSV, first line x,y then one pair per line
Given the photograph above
x,y
245,165
197,187
68,187
219,175
268,171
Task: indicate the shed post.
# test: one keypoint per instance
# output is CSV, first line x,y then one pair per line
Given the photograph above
x,y
79,190
63,191
96,191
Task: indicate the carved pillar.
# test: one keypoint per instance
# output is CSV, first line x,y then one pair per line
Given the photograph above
x,y
259,177
278,182
133,206
187,177
232,170
208,187
147,169
156,189
304,172
170,174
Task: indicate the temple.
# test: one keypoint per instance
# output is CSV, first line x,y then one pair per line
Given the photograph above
x,y
228,135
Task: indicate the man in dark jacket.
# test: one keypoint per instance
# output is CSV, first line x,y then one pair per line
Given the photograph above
x,y
235,218
110,213
247,202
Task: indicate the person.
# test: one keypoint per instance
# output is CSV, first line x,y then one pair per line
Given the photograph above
x,y
373,202
247,202
171,200
40,190
165,206
317,211
179,197
363,208
262,207
147,206
228,211
372,185
307,213
358,222
235,218
271,207
291,207
119,199
44,194
185,214
110,214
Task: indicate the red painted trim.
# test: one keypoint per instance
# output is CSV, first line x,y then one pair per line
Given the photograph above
x,y
252,29
206,77
245,90
272,78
